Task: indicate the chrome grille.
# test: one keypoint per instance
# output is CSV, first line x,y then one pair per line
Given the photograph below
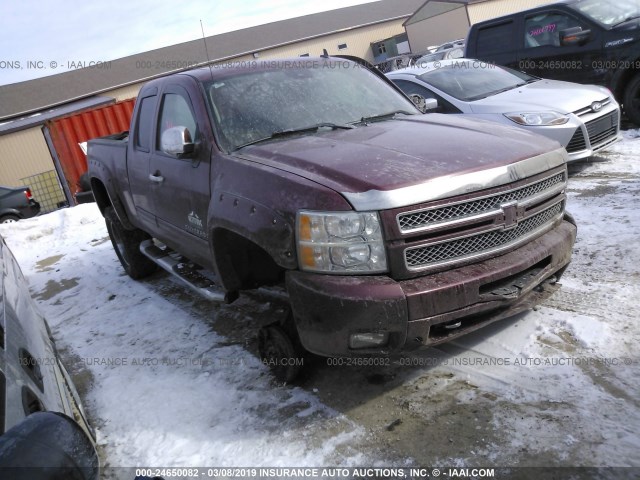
x,y
586,110
412,221
488,242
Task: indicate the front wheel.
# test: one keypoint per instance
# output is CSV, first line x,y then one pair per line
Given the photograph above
x,y
9,219
126,243
280,352
632,100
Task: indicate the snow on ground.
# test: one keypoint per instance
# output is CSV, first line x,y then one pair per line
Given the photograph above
x,y
170,380
164,389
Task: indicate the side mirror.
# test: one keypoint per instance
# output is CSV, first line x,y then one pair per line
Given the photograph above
x,y
574,36
430,104
177,141
423,104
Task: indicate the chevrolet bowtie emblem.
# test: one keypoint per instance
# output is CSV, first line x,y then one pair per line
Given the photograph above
x,y
510,211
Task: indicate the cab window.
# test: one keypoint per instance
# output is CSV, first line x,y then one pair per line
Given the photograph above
x,y
144,123
491,39
175,112
543,29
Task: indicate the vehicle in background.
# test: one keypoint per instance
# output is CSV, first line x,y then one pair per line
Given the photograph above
x,y
583,41
43,427
448,50
444,54
582,118
16,204
397,62
450,45
388,229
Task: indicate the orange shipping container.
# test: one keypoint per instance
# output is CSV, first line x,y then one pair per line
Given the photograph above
x,y
64,136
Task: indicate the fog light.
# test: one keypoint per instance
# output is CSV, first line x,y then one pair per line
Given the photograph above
x,y
368,340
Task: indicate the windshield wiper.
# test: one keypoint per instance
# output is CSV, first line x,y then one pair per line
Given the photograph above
x,y
628,19
491,94
296,131
382,116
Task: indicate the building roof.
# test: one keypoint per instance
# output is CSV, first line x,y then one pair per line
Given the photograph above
x,y
433,8
40,118
19,99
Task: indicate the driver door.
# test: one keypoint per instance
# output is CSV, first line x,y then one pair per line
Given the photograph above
x,y
180,183
543,54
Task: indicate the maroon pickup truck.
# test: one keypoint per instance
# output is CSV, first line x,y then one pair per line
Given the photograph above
x,y
389,229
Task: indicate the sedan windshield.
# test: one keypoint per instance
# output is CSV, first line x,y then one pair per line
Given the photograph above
x,y
262,103
468,81
609,13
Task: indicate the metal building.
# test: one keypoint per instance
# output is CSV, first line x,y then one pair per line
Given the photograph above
x,y
440,21
26,106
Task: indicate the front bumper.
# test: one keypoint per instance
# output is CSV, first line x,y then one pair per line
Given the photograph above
x,y
412,313
584,135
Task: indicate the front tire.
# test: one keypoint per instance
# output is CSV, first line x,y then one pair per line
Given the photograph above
x,y
9,219
632,100
126,243
280,352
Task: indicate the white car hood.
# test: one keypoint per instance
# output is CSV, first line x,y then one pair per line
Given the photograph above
x,y
543,95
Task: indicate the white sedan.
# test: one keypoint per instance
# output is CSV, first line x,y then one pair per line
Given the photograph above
x,y
582,118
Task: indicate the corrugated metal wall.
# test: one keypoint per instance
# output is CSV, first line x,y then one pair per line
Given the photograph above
x,y
68,132
22,154
479,12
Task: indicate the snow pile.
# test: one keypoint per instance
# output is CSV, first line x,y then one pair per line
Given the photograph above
x,y
164,388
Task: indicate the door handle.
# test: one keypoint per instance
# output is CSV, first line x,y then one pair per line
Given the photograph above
x,y
156,178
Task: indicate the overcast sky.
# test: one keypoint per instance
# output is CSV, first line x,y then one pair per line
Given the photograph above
x,y
41,37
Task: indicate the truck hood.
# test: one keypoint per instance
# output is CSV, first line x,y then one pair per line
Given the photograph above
x,y
386,164
562,97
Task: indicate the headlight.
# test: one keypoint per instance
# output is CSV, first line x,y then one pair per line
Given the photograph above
x,y
538,118
340,242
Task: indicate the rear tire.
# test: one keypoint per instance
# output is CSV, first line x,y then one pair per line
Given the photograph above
x,y
126,243
9,219
632,100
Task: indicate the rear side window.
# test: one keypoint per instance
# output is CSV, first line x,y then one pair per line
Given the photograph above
x,y
492,39
144,124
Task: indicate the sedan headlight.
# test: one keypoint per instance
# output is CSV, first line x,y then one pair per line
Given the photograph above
x,y
340,242
538,118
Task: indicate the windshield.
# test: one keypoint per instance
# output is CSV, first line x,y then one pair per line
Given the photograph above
x,y
468,81
259,102
609,13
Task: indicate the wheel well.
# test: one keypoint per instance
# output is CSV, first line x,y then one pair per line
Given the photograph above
x,y
623,81
100,194
241,263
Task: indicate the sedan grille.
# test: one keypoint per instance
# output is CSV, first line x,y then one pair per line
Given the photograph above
x,y
483,243
587,110
577,142
603,129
